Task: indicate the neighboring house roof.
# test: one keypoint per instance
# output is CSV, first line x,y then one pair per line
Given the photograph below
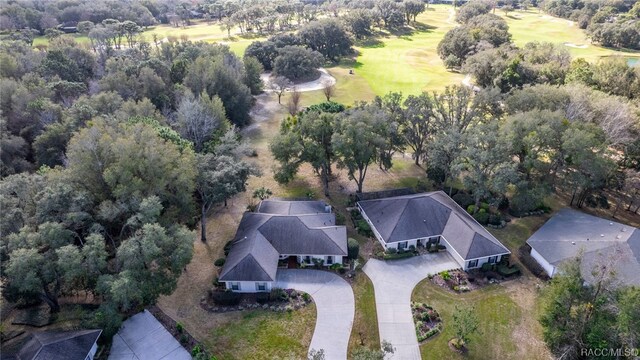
x,y
284,207
423,215
262,237
143,337
52,345
570,231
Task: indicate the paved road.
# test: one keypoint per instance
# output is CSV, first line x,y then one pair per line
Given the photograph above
x,y
334,304
393,282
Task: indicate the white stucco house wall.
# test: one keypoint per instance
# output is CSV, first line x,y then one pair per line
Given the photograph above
x,y
401,222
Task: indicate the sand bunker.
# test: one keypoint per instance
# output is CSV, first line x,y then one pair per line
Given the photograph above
x,y
317,84
577,46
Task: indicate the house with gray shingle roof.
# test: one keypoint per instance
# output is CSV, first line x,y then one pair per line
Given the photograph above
x,y
570,232
423,219
59,345
299,232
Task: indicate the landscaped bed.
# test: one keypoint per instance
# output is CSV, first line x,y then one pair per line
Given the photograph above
x,y
277,300
426,319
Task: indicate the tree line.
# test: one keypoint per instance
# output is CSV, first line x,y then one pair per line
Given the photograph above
x,y
515,149
109,158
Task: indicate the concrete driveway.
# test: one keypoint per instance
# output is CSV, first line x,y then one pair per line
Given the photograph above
x,y
393,282
334,304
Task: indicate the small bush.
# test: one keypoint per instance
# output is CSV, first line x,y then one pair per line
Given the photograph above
x,y
482,218
196,350
227,247
441,247
219,262
482,211
391,251
335,266
485,267
262,298
318,262
484,206
504,203
363,228
464,200
340,219
398,255
495,219
306,297
471,209
342,270
226,298
278,294
353,248
179,327
445,275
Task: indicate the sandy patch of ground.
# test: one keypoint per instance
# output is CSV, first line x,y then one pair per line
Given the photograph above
x,y
577,46
317,84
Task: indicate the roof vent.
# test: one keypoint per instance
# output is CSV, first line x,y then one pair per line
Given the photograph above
x,y
618,237
601,235
610,224
623,230
573,243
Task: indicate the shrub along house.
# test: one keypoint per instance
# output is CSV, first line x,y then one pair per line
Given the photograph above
x,y
402,222
298,232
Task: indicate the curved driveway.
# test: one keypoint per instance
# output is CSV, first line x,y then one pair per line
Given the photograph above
x,y
393,282
334,304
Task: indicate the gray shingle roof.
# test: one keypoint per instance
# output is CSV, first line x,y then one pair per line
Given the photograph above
x,y
262,237
66,345
570,231
423,215
284,207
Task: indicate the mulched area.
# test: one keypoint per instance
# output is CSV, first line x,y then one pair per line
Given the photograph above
x,y
178,332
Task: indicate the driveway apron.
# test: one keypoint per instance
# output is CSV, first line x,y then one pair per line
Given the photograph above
x,y
334,304
393,282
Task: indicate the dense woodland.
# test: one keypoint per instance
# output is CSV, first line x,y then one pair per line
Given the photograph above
x,y
113,150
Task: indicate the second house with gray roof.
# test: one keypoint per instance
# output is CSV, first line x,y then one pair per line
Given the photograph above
x,y
402,222
282,232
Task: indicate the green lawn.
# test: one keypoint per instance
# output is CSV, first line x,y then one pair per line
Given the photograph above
x,y
528,26
365,324
264,335
497,312
409,64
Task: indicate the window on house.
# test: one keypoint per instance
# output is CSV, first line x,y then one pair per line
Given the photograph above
x,y
492,259
473,263
261,286
235,286
329,260
402,245
307,259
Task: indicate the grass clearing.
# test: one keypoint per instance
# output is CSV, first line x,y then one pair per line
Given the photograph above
x,y
264,335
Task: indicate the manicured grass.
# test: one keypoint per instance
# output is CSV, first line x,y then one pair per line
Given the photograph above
x,y
365,324
264,335
409,63
528,26
498,314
